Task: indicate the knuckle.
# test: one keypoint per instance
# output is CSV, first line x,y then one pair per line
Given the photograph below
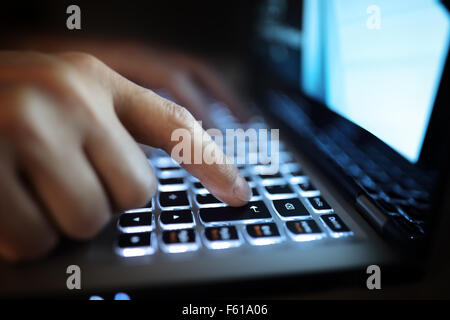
x,y
83,60
57,72
20,117
178,115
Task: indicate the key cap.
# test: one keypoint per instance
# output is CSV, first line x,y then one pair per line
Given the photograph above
x,y
270,176
263,233
140,239
253,210
136,222
222,237
335,224
307,186
387,206
177,219
176,241
304,230
147,208
173,199
207,198
135,244
171,181
290,208
279,189
297,173
198,185
319,204
171,168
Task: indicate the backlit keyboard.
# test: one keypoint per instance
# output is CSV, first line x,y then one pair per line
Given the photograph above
x,y
183,216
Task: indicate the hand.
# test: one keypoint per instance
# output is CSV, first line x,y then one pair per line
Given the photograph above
x,y
69,127
184,77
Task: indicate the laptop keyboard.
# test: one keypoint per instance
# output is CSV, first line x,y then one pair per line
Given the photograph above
x,y
183,216
398,192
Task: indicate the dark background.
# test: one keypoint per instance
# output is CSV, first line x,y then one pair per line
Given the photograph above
x,y
213,25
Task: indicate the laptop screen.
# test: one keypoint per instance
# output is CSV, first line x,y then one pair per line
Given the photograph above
x,y
377,63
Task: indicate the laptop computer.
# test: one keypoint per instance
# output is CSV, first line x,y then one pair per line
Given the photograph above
x,y
363,165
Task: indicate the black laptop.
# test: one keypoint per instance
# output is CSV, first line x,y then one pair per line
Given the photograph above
x,y
357,92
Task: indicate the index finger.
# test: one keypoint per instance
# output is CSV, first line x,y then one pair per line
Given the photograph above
x,y
153,120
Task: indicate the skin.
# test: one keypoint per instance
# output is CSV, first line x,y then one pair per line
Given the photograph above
x,y
184,77
69,154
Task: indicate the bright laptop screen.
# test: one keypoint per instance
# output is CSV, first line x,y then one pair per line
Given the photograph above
x,y
377,63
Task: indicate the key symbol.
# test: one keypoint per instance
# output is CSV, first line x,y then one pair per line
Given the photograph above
x,y
266,230
134,239
183,236
254,208
172,196
289,206
318,202
224,233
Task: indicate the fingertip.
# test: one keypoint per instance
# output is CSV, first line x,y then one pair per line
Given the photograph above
x,y
239,195
241,191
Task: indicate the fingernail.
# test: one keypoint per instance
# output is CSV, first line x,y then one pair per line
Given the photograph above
x,y
241,189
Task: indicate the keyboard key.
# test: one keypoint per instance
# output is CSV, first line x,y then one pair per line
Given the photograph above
x,y
177,219
263,233
297,173
307,186
198,185
173,199
396,193
290,208
207,198
279,189
136,222
141,239
135,244
171,181
165,163
172,168
304,230
387,207
335,224
222,237
270,176
319,204
147,208
176,241
253,210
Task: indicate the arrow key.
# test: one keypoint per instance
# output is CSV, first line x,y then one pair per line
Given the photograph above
x,y
178,219
173,199
136,222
